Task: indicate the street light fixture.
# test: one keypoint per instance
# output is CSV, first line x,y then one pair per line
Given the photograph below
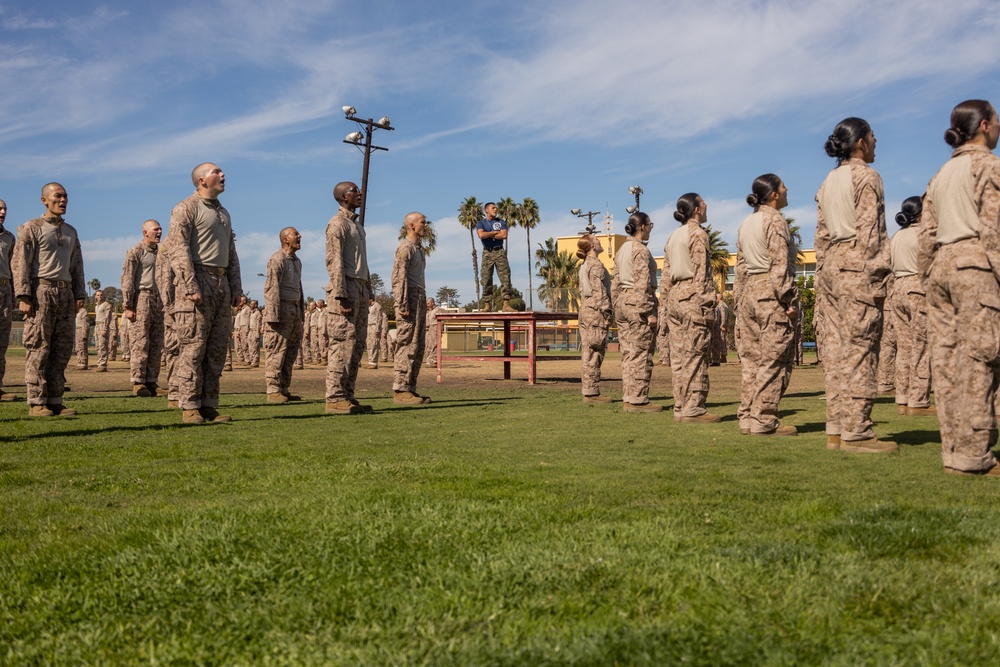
x,y
637,191
589,215
367,127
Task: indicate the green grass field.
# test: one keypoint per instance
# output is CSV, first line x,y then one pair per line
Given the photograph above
x,y
501,525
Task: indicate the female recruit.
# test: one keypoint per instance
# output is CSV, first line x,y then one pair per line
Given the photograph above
x,y
595,316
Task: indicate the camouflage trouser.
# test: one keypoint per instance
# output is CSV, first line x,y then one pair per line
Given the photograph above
x,y
253,347
663,334
963,317
229,355
495,258
320,345
593,345
102,341
690,338
635,337
171,352
431,344
384,342
913,359
887,352
282,344
6,317
719,345
372,344
305,349
241,344
48,342
204,330
766,354
345,334
126,336
82,339
409,353
851,324
146,334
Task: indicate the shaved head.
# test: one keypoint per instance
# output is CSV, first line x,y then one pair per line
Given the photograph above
x,y
149,224
286,232
199,172
414,218
49,187
341,189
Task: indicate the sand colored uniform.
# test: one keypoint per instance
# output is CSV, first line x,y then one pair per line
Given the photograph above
x,y
320,339
908,303
959,261
689,292
764,291
347,265
140,293
82,338
254,330
283,315
595,318
431,340
171,341
720,331
852,266
113,337
633,290
47,268
305,349
125,334
374,338
7,301
385,354
408,295
887,344
201,247
241,326
662,332
102,332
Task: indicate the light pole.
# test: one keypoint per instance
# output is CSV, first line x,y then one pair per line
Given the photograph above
x,y
578,212
368,126
637,191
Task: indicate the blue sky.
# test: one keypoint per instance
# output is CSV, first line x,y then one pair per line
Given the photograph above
x,y
568,102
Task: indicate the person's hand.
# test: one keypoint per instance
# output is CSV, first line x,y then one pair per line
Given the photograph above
x,y
129,314
25,307
196,297
792,313
652,321
344,310
404,313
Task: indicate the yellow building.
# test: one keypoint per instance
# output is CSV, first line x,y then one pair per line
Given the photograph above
x,y
806,265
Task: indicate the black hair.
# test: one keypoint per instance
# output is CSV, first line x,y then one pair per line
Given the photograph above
x,y
763,187
488,204
965,121
910,211
635,221
846,136
686,206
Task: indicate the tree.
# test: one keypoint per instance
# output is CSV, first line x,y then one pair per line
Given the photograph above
x,y
807,302
529,219
795,236
94,284
559,272
377,284
507,210
718,255
428,243
470,212
447,296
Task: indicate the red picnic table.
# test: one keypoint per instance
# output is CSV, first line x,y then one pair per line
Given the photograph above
x,y
529,317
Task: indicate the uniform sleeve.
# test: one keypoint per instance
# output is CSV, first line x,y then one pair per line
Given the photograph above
x,y
233,270
272,288
741,276
821,241
25,252
129,270
181,222
870,230
702,266
640,269
602,300
776,233
989,211
76,272
400,285
926,237
335,235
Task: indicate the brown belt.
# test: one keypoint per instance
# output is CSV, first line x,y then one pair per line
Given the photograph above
x,y
214,270
295,301
148,290
3,282
55,283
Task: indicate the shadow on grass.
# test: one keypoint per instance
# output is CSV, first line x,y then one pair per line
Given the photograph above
x,y
805,394
916,438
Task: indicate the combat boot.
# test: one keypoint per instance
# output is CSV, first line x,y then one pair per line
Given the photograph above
x,y
140,390
406,398
39,411
507,308
212,415
930,410
101,369
173,404
277,398
152,387
61,410
192,417
901,409
833,442
6,398
343,407
869,446
780,430
597,398
643,407
992,472
704,418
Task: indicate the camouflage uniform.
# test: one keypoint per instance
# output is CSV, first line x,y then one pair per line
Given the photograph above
x,y
909,312
887,345
663,332
374,334
201,231
7,301
241,326
431,341
384,353
320,341
283,315
141,294
82,338
171,341
409,295
113,336
47,268
254,330
720,330
959,262
347,264
125,333
305,349
852,266
764,291
633,288
494,255
102,332
691,313
595,318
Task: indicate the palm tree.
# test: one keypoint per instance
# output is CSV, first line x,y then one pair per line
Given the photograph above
x,y
560,277
718,256
529,219
470,212
507,211
428,243
795,236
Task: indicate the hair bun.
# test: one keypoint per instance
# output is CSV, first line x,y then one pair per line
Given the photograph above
x,y
752,200
833,146
679,217
955,137
902,219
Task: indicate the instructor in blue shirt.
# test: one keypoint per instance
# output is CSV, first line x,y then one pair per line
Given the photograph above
x,y
492,232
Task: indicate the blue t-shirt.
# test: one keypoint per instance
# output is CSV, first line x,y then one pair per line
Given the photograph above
x,y
494,225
